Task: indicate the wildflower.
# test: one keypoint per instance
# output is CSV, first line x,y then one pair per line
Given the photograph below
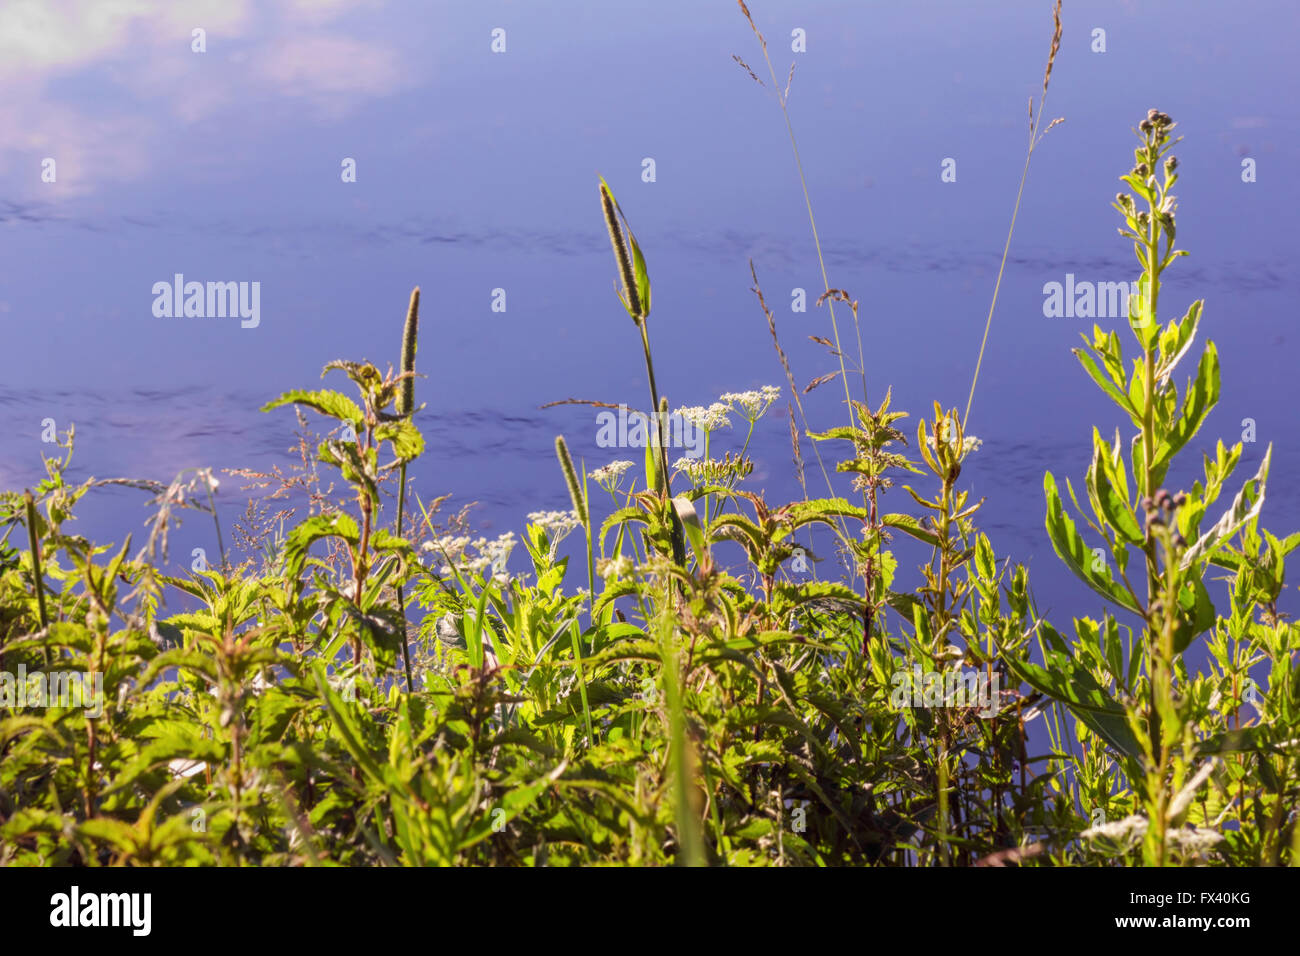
x,y
969,444
455,550
715,416
556,524
693,468
611,569
713,471
753,405
451,547
1130,831
608,477
494,554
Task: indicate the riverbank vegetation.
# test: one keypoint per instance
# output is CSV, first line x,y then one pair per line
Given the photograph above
x,y
681,671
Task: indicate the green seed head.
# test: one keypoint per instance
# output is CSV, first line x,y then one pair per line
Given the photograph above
x,y
406,397
571,479
633,300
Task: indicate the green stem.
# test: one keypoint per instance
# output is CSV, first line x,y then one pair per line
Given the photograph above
x,y
401,598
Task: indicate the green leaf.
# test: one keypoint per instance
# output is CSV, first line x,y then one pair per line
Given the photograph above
x,y
1201,396
1176,344
1108,386
1195,614
1109,491
300,539
910,526
363,374
639,268
691,522
348,459
1065,680
407,442
333,404
1245,507
1070,548
652,476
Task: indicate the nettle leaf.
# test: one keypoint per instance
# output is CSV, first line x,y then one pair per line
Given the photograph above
x,y
382,629
911,526
824,510
1070,548
620,517
1245,507
357,470
738,528
334,404
307,533
364,374
824,595
407,442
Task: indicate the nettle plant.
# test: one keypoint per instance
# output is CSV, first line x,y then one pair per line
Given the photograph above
x,y
358,610
1184,766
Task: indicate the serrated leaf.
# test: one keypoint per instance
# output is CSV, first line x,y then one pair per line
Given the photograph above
x,y
327,402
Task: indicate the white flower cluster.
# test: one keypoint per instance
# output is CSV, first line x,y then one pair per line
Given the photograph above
x,y
1131,830
753,405
694,468
715,416
611,569
557,524
968,444
455,550
608,476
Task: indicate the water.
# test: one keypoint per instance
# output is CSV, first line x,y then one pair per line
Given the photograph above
x,y
477,171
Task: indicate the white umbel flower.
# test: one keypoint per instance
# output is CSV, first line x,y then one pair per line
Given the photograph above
x,y
752,405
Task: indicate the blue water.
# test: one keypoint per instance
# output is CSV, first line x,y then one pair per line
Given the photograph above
x,y
477,171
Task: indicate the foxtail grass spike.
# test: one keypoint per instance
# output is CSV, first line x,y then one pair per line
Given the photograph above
x,y
406,406
633,301
406,398
571,479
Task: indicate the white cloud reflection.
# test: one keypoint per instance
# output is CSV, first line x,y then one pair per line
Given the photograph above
x,y
101,85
